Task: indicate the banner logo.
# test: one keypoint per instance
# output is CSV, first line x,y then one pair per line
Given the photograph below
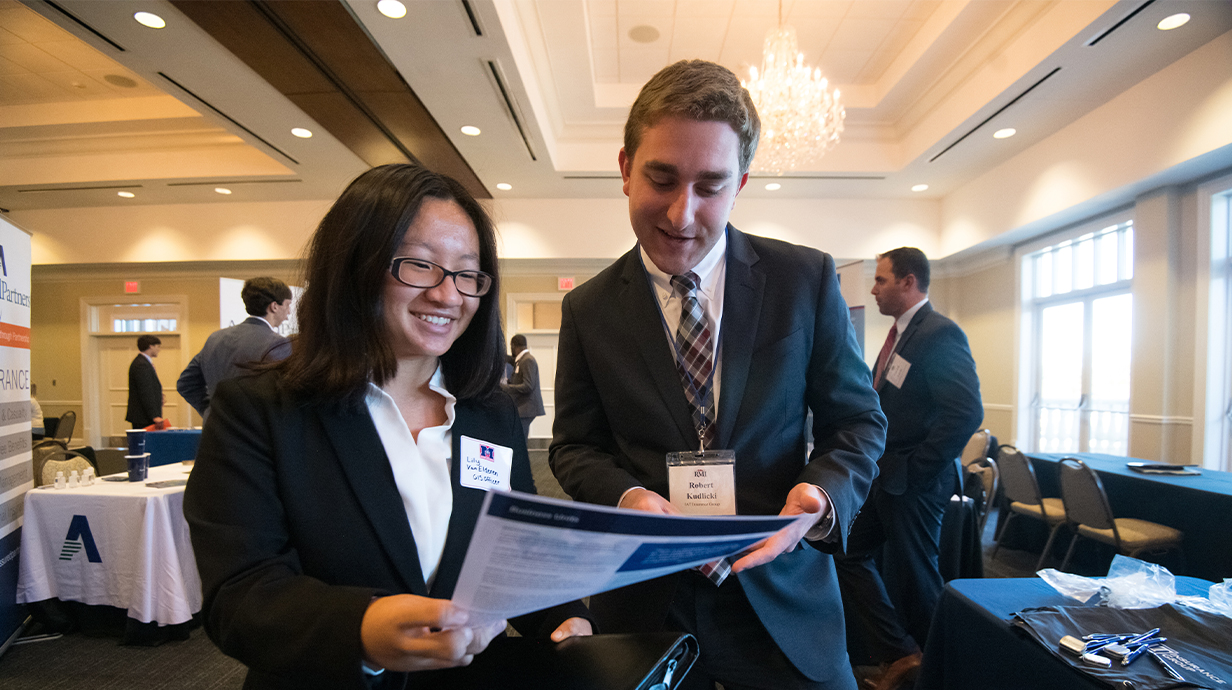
x,y
79,537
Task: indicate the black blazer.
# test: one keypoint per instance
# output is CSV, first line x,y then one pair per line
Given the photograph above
x,y
297,524
145,393
938,407
787,346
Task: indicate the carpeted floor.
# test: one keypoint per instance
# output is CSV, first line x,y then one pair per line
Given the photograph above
x,y
79,662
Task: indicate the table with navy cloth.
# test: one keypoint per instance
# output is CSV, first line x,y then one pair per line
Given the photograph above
x,y
973,644
1196,505
172,445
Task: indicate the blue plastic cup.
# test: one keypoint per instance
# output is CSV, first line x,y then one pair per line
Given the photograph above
x,y
136,441
138,467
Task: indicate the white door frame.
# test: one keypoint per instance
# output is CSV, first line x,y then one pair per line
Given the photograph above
x,y
91,332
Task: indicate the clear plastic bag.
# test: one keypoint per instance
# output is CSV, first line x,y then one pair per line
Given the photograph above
x,y
1130,584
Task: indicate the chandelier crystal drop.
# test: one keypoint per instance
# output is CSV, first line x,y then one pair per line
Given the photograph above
x,y
801,117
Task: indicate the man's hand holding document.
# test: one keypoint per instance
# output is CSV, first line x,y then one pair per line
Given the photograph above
x,y
530,552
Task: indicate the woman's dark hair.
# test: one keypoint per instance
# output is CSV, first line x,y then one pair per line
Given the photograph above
x,y
343,340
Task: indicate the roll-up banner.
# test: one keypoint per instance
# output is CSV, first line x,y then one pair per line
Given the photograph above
x,y
16,476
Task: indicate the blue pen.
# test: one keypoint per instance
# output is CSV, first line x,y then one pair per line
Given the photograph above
x,y
1143,636
1129,658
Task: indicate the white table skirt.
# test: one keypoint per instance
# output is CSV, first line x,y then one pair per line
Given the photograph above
x,y
142,558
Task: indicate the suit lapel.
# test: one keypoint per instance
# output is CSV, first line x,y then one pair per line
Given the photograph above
x,y
912,326
466,504
359,451
743,292
640,312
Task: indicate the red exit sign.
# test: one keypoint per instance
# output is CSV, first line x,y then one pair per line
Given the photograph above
x,y
564,284
132,287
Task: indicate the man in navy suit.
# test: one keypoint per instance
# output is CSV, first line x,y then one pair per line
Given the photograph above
x,y
145,391
781,343
930,394
268,303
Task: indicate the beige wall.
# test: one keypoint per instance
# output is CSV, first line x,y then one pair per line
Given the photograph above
x,y
57,292
982,303
56,313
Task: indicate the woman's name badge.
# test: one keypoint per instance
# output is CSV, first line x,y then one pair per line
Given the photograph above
x,y
702,482
896,372
485,465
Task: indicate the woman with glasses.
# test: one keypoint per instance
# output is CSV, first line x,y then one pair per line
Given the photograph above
x,y
327,512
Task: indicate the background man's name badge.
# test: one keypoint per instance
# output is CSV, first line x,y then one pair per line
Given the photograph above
x,y
484,465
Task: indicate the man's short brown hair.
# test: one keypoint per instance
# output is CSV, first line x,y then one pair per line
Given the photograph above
x,y
697,90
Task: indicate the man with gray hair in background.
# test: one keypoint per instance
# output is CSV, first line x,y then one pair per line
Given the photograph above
x,y
268,303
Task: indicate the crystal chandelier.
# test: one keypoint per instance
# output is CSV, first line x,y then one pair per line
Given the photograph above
x,y
801,117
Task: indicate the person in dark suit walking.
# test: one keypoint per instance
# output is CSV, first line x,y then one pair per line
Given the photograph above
x,y
523,385
228,352
327,510
700,317
145,391
930,394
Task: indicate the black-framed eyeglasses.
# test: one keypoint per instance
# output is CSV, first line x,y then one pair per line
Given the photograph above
x,y
425,274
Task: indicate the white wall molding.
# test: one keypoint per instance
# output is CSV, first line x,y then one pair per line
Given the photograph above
x,y
1159,420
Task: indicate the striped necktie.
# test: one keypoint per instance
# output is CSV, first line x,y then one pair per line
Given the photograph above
x,y
695,356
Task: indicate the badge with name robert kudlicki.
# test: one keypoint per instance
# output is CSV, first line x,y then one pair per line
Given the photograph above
x,y
485,465
702,482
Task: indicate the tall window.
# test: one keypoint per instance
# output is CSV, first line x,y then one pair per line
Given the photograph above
x,y
1218,423
1079,309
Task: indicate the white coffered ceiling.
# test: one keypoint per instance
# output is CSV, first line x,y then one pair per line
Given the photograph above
x,y
92,102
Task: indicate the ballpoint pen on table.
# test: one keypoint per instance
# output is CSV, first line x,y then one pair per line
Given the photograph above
x,y
1165,665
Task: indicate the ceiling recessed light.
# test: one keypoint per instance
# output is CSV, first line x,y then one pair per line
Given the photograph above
x,y
222,190
120,81
504,186
773,186
302,133
470,130
643,33
919,187
391,8
149,19
126,195
1004,133
1172,22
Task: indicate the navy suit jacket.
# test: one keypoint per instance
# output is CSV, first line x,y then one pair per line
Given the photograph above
x,y
938,407
297,524
225,351
145,393
787,347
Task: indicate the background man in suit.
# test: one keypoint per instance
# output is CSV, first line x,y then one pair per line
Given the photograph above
x,y
268,303
930,394
145,392
523,385
780,342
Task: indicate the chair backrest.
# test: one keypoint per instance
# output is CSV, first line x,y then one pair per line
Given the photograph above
x,y
1018,477
984,476
977,447
1083,493
62,461
64,432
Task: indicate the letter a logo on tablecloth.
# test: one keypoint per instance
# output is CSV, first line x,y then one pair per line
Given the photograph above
x,y
79,537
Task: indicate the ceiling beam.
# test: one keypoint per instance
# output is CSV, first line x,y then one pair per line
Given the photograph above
x,y
322,60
